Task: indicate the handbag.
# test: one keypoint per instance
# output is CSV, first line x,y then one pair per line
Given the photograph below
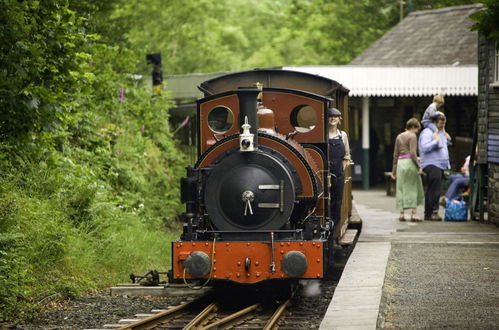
x,y
456,209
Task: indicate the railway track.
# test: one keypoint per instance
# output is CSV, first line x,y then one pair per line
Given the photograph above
x,y
239,310
208,312
227,308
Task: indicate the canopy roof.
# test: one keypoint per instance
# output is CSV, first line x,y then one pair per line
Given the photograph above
x,y
364,80
400,81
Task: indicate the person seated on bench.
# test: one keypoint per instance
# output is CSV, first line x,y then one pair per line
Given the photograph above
x,y
459,182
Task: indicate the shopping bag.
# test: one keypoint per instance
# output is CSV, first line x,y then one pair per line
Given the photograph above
x,y
456,210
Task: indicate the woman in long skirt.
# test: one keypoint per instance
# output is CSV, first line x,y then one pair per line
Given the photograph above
x,y
407,171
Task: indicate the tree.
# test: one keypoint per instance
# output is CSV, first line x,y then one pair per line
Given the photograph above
x,y
487,20
194,36
43,60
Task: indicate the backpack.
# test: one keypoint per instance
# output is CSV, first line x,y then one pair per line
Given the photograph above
x,y
456,210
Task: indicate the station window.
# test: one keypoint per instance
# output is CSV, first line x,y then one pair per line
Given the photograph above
x,y
220,119
303,118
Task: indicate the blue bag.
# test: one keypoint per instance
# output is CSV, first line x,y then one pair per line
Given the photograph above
x,y
456,210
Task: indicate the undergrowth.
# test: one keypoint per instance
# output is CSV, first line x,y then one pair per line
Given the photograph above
x,y
89,170
83,216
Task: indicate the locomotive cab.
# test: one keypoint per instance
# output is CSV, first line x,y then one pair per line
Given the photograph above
x,y
257,199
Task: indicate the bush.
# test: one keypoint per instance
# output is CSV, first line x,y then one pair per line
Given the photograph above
x,y
89,184
13,275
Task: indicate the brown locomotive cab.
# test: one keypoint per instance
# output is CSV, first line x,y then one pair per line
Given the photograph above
x,y
257,200
286,105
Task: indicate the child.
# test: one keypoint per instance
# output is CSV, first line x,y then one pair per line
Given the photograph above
x,y
431,112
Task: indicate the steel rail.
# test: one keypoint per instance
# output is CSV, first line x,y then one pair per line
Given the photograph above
x,y
211,308
151,321
231,317
277,314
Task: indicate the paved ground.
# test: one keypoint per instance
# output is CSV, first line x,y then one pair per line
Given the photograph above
x,y
435,286
433,275
376,198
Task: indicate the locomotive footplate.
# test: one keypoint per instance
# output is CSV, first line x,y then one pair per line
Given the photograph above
x,y
247,262
250,235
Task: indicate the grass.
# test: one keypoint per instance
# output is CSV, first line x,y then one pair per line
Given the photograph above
x,y
68,227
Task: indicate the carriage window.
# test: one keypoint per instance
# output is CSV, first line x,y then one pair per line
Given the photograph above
x,y
303,118
220,119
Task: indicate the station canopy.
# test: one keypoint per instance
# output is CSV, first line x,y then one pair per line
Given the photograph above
x,y
400,81
369,80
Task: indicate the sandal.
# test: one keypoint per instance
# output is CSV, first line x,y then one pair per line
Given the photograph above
x,y
415,218
401,218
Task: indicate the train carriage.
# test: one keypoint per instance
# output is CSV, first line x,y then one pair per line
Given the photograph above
x,y
257,199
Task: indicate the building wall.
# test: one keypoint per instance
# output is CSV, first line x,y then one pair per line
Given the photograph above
x,y
488,123
493,193
483,83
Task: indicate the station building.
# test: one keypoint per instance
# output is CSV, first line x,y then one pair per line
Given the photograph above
x,y
484,202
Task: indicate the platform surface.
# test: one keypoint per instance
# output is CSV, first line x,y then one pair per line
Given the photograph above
x,y
429,275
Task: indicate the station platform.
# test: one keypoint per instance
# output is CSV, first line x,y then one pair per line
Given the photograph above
x,y
406,275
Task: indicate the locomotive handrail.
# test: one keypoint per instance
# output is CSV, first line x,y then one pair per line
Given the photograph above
x,y
251,231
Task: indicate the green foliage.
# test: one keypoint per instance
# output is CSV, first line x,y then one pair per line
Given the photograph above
x,y
223,35
88,184
43,56
487,20
46,250
334,32
13,274
435,4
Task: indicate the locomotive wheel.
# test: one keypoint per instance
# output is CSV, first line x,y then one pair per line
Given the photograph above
x,y
250,191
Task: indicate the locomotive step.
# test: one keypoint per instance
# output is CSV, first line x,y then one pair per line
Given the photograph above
x,y
349,237
162,290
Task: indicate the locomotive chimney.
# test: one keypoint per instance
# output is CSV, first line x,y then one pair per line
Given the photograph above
x,y
247,109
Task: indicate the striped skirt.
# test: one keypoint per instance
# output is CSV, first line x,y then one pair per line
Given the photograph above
x,y
409,185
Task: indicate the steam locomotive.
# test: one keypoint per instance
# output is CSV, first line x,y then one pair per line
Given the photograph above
x,y
257,199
